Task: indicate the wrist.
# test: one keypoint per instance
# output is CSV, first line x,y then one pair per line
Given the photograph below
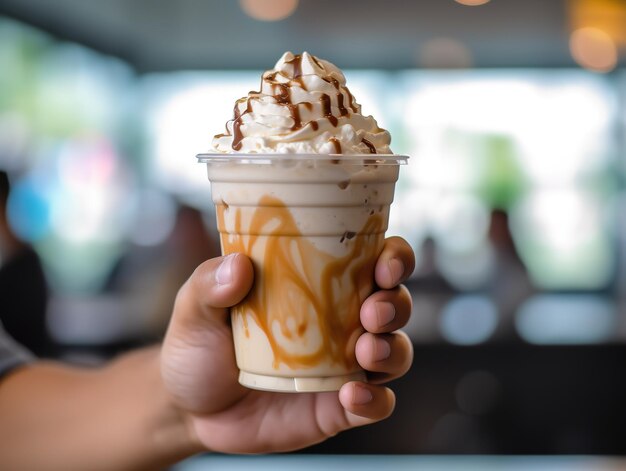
x,y
184,428
158,432
178,424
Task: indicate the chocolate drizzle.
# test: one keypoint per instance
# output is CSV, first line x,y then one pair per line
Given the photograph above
x,y
295,114
282,93
317,62
342,110
327,111
336,143
369,145
351,102
296,62
347,235
237,134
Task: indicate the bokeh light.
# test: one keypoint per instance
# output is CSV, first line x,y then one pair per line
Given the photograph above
x,y
564,239
269,10
444,53
573,319
593,49
469,320
472,3
155,216
28,209
184,112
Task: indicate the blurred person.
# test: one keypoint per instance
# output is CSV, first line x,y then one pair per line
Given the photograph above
x,y
188,245
428,276
157,405
431,292
23,287
510,284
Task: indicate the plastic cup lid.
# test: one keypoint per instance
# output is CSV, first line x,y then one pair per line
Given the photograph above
x,y
259,159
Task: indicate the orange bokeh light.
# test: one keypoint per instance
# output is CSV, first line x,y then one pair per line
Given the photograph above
x,y
444,53
269,10
593,49
472,3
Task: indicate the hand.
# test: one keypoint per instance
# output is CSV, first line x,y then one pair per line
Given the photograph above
x,y
200,373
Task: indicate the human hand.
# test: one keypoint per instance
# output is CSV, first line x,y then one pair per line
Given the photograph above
x,y
199,370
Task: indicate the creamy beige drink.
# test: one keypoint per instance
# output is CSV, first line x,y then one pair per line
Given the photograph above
x,y
302,184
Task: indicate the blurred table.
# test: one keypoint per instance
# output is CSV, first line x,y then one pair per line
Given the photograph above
x,y
401,462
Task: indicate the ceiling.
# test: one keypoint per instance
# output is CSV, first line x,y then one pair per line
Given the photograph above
x,y
156,35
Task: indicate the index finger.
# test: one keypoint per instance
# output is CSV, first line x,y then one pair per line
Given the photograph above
x,y
395,263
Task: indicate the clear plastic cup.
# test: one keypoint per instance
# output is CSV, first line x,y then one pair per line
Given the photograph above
x,y
313,226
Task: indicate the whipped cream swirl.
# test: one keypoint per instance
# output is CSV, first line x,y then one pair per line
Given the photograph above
x,y
303,107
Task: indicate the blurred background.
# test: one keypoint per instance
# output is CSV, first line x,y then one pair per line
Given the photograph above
x,y
513,113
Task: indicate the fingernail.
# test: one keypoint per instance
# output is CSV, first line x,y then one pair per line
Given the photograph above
x,y
385,313
224,273
382,349
396,269
361,395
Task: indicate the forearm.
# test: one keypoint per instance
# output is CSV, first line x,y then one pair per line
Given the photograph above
x,y
115,418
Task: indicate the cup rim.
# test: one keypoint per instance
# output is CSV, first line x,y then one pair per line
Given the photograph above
x,y
266,158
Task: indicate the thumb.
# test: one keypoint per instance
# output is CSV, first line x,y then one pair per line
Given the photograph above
x,y
214,286
197,357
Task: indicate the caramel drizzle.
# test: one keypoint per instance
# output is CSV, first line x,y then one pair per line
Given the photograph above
x,y
296,298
